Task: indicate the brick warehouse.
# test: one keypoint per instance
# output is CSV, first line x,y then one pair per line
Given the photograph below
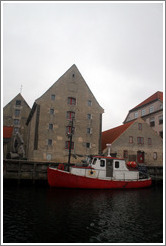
x,y
50,120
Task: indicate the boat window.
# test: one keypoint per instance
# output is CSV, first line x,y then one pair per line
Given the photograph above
x,y
94,161
116,164
102,163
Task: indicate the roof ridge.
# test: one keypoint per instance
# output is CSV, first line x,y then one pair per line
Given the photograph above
x,y
156,96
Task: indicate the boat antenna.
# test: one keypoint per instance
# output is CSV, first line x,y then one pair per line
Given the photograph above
x,y
109,149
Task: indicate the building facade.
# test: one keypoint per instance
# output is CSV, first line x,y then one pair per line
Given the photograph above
x,y
135,141
151,111
15,115
50,121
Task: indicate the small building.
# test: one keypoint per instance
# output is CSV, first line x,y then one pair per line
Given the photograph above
x,y
151,111
7,139
15,115
50,121
135,141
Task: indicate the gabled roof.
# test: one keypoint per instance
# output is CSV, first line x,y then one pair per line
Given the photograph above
x,y
109,136
156,96
7,131
18,97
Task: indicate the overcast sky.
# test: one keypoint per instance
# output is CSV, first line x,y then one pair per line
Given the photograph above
x,y
117,47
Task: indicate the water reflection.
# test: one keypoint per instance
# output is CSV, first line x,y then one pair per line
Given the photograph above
x,y
48,215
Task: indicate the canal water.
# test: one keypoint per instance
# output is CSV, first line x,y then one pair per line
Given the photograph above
x,y
40,214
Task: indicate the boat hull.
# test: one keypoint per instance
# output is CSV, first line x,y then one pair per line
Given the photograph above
x,y
63,179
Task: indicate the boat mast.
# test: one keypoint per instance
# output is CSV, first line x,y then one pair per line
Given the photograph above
x,y
70,135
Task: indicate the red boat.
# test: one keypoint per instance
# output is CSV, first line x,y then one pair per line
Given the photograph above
x,y
101,173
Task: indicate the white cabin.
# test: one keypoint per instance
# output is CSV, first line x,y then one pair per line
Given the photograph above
x,y
108,168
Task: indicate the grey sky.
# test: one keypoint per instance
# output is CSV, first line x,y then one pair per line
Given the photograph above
x,y
117,47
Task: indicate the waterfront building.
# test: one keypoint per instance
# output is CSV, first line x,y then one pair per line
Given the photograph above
x,y
50,121
15,115
151,111
135,141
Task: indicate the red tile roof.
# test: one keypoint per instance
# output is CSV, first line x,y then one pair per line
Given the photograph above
x,y
110,135
156,96
7,131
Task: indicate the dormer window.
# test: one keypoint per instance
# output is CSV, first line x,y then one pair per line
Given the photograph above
x,y
135,115
151,109
71,101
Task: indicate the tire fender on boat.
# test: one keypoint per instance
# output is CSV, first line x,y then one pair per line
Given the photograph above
x,y
61,166
91,172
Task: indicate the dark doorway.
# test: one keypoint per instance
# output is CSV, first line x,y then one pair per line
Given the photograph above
x,y
109,168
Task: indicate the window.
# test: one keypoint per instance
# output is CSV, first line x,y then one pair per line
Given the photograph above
x,y
17,113
140,140
89,103
160,119
130,139
53,97
49,142
161,134
149,141
125,154
18,102
89,116
139,126
116,164
50,126
71,100
102,163
155,155
16,129
151,109
143,112
16,122
152,122
68,130
94,161
67,145
135,115
51,111
70,115
87,145
88,130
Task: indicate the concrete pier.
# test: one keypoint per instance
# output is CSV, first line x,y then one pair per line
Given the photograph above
x,y
25,169
34,170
